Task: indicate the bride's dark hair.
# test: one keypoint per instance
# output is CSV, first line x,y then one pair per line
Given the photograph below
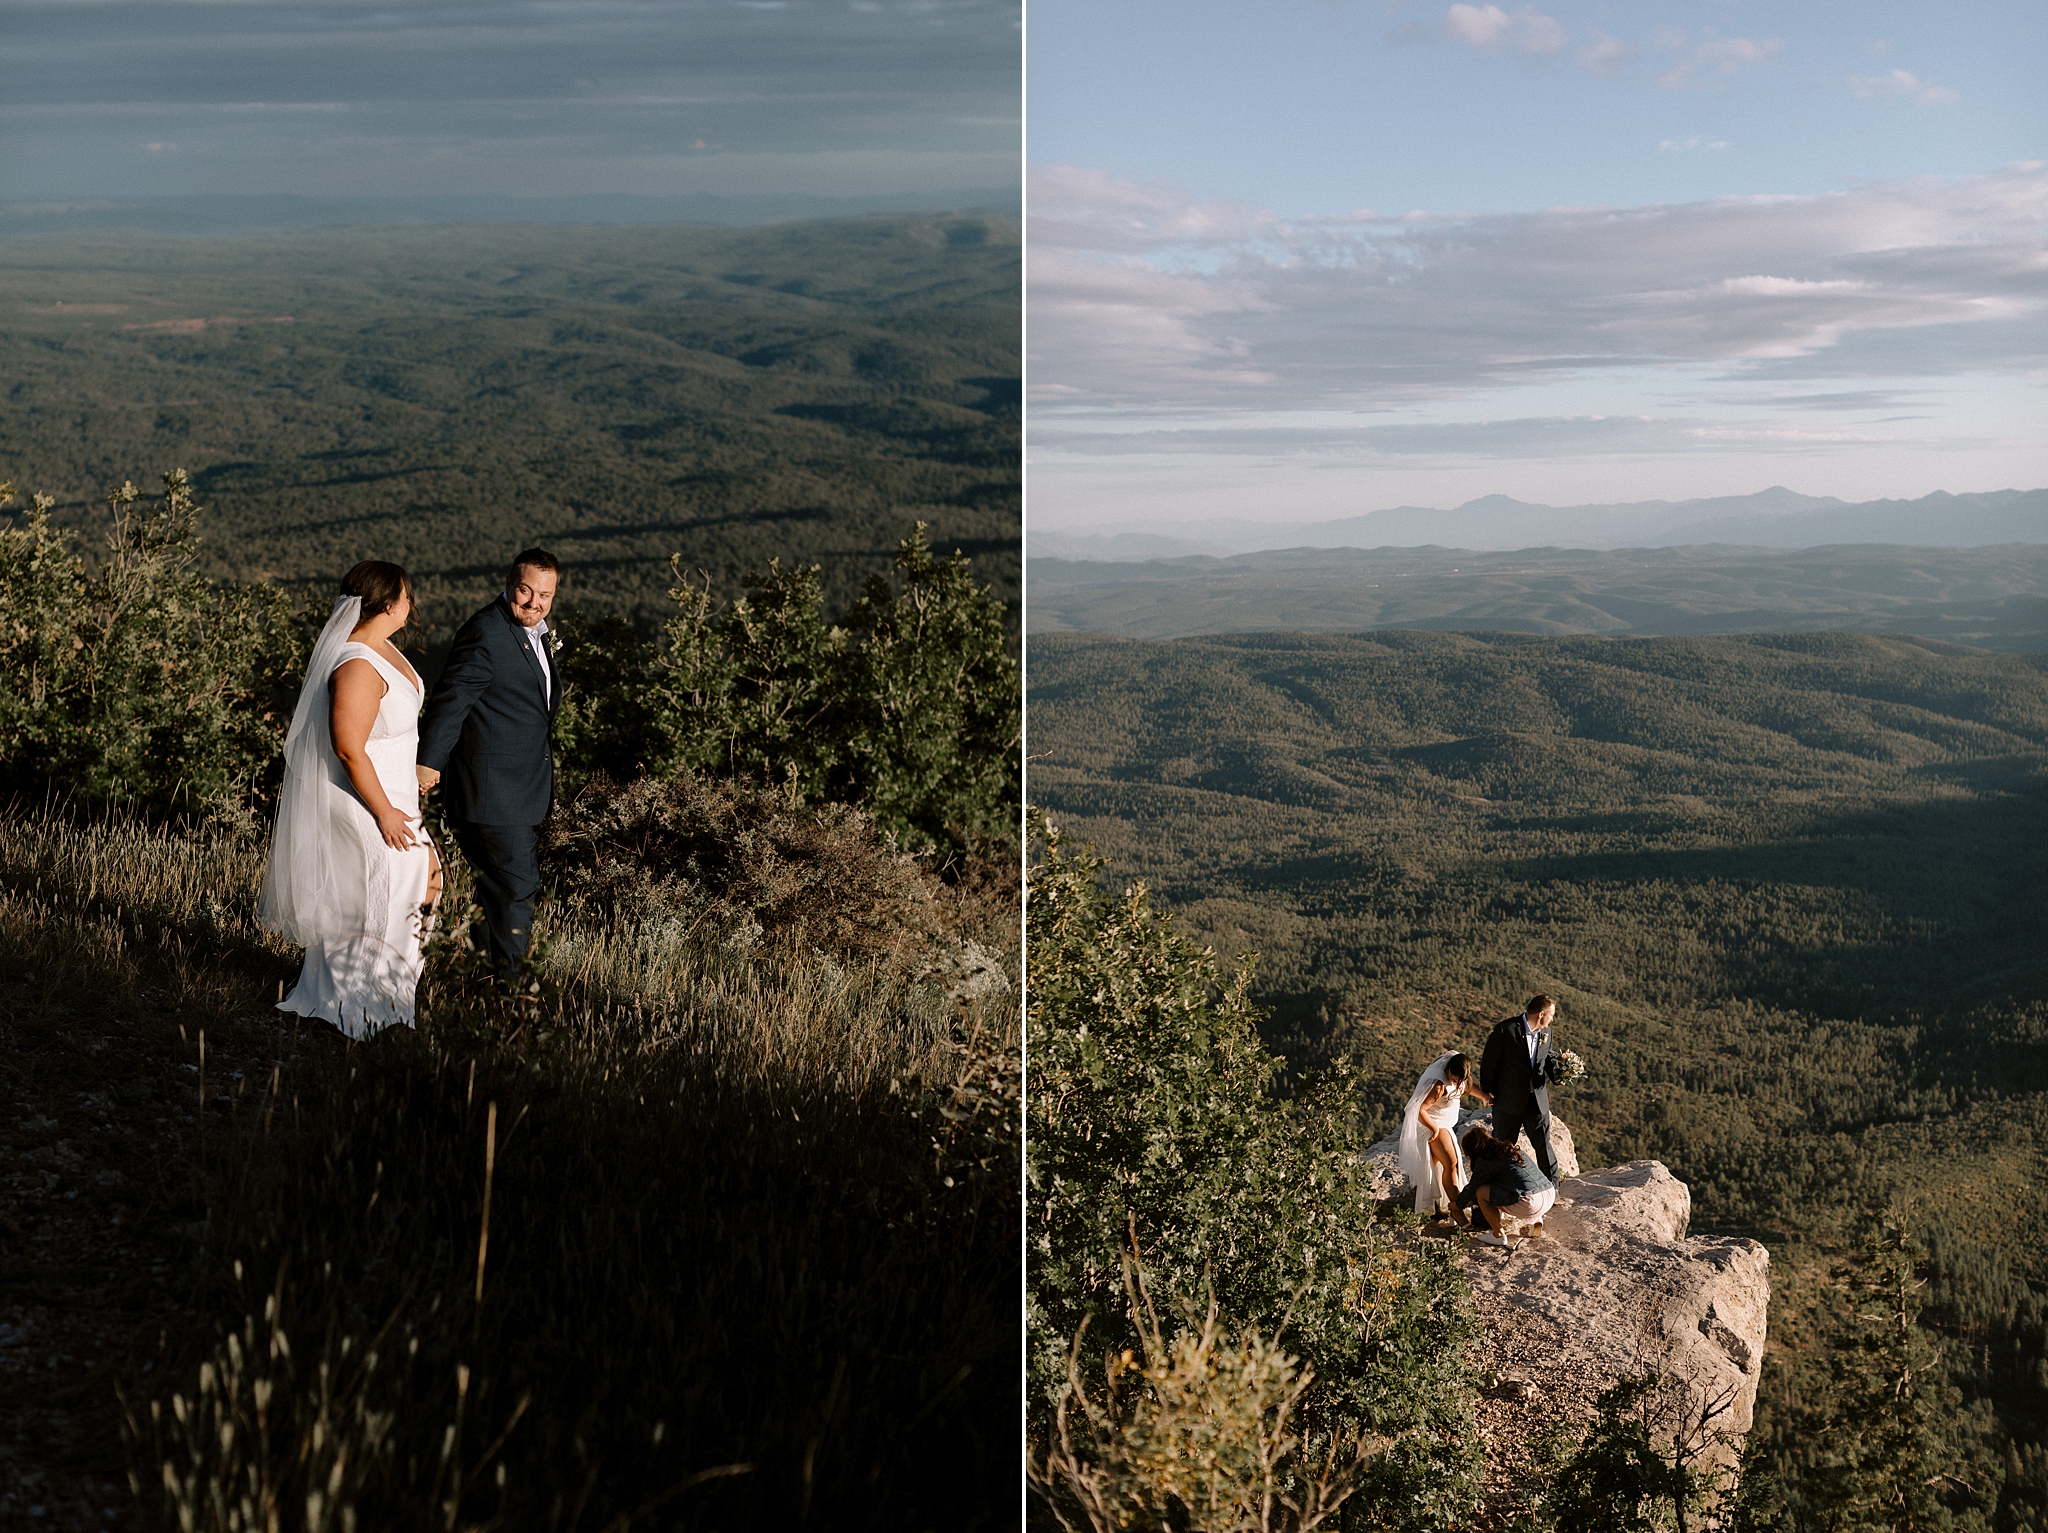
x,y
1457,1068
380,584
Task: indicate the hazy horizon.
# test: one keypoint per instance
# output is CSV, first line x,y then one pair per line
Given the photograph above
x,y
1164,526
1311,262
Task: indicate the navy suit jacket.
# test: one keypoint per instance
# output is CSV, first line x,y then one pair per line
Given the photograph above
x,y
486,726
1509,1076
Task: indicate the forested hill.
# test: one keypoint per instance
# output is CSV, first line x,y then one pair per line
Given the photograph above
x,y
1990,598
1789,890
445,396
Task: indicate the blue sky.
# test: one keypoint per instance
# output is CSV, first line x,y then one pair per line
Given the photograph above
x,y
365,98
1316,258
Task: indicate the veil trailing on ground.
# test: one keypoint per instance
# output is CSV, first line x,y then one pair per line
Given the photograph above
x,y
302,898
1416,1162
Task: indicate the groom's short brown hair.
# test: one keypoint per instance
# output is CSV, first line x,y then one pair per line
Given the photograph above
x,y
1538,1004
532,559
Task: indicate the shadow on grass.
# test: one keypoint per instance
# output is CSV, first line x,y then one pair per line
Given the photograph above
x,y
739,1251
742,1305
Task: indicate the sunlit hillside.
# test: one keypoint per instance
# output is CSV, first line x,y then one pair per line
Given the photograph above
x,y
1786,888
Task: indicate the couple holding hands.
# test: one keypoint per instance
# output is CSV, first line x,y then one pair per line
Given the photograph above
x,y
353,877
1484,1172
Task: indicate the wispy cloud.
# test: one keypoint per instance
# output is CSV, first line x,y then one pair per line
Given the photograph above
x,y
1150,299
1605,56
1719,56
1518,437
1693,141
1900,84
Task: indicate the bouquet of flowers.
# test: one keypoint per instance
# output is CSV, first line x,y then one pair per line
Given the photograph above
x,y
1566,1067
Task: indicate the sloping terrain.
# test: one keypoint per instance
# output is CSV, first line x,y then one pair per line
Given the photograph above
x,y
1786,888
445,396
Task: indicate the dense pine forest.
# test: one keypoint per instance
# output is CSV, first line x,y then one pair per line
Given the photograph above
x,y
444,396
1787,889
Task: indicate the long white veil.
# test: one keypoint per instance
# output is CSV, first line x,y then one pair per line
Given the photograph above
x,y
301,896
1415,1160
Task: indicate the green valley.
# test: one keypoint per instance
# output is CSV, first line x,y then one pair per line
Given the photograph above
x,y
443,396
1787,888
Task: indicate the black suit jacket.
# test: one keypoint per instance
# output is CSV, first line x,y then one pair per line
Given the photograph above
x,y
1508,1074
486,726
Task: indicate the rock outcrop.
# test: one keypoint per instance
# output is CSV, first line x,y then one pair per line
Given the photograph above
x,y
1615,1286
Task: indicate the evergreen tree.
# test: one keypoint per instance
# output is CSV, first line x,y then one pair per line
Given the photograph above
x,y
1888,1454
1155,1136
931,735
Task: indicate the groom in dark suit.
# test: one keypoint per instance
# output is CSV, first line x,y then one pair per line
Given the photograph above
x,y
1515,1071
486,727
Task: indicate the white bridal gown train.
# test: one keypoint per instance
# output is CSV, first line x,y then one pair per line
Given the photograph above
x,y
1422,1169
359,907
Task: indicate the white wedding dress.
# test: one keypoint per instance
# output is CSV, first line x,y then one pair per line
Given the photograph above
x,y
359,908
1424,1172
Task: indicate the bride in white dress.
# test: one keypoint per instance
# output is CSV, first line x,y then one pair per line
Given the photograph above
x,y
1429,1153
352,878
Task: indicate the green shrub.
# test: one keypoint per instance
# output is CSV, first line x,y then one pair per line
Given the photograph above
x,y
1156,1135
1201,1433
736,864
137,680
1633,1470
931,717
907,707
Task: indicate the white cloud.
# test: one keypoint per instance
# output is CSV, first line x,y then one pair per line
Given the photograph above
x,y
1483,26
1361,312
1899,83
1094,210
1694,141
1515,437
1492,30
1785,287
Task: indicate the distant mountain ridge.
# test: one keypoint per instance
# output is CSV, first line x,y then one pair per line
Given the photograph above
x,y
1772,518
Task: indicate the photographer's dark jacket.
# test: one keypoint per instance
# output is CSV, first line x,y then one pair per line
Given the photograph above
x,y
486,726
1510,1183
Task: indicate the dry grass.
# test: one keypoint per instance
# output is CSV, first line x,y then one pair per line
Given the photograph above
x,y
748,1204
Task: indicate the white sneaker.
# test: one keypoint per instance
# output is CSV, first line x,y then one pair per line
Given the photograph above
x,y
1488,1238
